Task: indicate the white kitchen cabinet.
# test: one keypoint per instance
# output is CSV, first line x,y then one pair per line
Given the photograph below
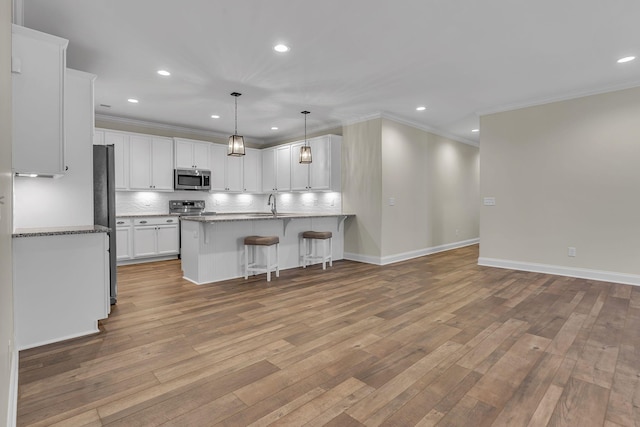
x,y
229,173
190,154
323,173
38,80
299,171
252,171
60,287
151,163
218,162
120,142
98,137
155,236
124,238
276,169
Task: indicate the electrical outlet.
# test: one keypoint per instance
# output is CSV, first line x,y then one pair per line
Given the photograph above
x,y
457,232
392,201
571,251
315,202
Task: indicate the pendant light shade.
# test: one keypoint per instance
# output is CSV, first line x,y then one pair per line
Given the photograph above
x,y
305,150
236,142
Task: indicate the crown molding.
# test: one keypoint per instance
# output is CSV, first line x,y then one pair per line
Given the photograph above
x,y
421,126
552,99
295,136
164,126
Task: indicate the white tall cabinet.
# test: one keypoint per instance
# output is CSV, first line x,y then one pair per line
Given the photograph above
x,y
38,79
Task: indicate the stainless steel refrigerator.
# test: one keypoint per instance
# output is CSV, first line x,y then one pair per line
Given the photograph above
x,y
104,204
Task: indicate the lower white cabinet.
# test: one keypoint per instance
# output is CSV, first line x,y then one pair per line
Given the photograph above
x,y
155,236
60,287
124,238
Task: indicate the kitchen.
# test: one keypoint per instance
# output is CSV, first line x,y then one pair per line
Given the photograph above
x,y
419,199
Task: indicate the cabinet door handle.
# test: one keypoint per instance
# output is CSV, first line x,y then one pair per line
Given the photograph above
x,y
169,220
120,222
143,222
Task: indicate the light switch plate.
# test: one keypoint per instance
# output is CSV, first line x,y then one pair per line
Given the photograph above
x,y
489,201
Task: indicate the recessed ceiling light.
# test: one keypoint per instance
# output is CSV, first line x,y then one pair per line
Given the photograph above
x,y
133,100
626,59
475,130
274,127
281,48
164,73
421,108
215,116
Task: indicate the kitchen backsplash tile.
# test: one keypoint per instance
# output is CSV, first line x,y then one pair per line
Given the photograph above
x,y
140,202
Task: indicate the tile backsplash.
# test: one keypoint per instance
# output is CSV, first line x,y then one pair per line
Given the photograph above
x,y
141,202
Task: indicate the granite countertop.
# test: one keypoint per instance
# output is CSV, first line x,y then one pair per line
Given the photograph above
x,y
59,231
259,216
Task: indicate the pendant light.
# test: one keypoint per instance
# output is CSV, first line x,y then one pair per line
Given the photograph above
x,y
305,150
236,142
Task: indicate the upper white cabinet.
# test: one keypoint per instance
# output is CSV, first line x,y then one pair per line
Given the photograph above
x,y
252,170
98,137
276,169
38,63
235,173
191,154
151,163
323,173
120,142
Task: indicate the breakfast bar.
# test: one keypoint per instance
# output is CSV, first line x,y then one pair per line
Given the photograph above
x,y
212,246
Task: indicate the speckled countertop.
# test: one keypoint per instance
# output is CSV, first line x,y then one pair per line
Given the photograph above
x,y
260,216
144,215
59,231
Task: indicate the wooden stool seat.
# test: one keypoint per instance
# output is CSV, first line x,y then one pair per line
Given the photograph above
x,y
261,240
268,266
321,235
307,241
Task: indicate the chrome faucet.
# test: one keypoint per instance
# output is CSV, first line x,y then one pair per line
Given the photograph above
x,y
274,209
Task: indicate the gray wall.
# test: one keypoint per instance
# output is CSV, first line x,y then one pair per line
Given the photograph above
x,y
6,282
564,174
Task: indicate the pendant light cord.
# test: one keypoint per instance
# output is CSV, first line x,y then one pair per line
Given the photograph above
x,y
236,131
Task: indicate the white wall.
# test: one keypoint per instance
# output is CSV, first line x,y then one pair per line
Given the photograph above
x,y
8,354
413,192
156,202
564,174
68,200
434,182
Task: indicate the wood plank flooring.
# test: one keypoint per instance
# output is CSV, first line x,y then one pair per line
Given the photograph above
x,y
432,341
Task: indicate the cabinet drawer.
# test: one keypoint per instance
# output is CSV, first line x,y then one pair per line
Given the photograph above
x,y
123,222
164,220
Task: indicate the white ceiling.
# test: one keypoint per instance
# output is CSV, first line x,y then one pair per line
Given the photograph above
x,y
349,59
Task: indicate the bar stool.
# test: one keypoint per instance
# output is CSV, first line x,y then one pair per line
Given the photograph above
x,y
307,239
266,242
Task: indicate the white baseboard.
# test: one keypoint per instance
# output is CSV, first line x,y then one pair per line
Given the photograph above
x,y
145,260
94,330
12,408
390,259
582,273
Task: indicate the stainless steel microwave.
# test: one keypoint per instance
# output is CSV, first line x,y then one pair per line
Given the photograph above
x,y
192,179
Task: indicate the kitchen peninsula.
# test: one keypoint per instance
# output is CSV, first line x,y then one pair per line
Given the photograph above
x,y
213,249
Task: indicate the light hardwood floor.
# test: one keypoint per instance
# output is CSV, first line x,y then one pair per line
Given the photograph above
x,y
436,340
